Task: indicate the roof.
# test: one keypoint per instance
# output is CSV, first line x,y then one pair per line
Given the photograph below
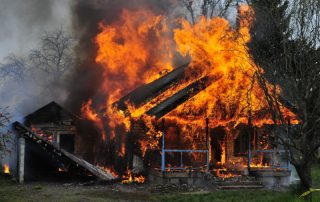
x,y
52,112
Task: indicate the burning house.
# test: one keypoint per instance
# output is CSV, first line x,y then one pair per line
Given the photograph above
x,y
209,115
161,118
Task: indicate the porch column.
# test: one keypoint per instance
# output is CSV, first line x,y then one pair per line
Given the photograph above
x,y
163,157
207,144
22,144
249,143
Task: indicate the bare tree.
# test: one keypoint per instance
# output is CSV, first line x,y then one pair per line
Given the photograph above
x,y
13,67
221,6
189,5
290,57
4,136
4,117
55,55
207,8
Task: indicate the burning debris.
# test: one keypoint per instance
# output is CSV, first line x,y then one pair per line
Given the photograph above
x,y
130,178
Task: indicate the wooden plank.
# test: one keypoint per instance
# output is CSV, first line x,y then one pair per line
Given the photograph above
x,y
181,96
98,172
147,92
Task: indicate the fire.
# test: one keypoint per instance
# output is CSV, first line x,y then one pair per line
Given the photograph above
x,y
131,52
130,178
6,169
139,48
224,173
89,113
125,52
217,48
109,170
45,135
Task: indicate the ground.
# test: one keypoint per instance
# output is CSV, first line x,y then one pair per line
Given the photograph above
x,y
11,191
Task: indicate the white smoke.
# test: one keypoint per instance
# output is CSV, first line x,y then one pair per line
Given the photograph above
x,y
23,23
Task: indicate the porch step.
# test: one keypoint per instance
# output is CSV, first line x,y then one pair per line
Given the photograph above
x,y
239,182
253,183
230,187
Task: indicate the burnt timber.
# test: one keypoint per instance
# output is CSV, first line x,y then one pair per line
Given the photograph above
x,y
145,93
180,97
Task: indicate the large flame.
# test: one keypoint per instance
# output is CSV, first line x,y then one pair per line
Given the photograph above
x,y
139,48
132,51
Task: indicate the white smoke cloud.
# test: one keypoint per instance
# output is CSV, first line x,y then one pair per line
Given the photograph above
x,y
22,25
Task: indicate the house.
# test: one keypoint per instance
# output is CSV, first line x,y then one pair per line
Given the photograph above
x,y
47,146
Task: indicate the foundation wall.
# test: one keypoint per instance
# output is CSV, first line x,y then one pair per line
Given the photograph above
x,y
190,178
272,178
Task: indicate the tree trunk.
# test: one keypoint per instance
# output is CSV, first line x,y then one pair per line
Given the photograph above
x,y
304,172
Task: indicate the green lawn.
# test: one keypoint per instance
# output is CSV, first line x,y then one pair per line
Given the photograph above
x,y
234,196
42,192
13,192
315,172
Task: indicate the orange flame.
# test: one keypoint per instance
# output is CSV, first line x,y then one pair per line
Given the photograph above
x,y
131,178
6,169
89,113
109,170
126,50
43,134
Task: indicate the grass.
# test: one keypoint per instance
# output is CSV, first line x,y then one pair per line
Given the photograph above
x,y
315,173
234,196
13,192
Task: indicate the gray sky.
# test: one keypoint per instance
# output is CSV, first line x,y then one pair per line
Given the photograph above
x,y
23,21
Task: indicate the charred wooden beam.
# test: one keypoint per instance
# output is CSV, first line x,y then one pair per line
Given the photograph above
x,y
180,97
288,104
146,92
